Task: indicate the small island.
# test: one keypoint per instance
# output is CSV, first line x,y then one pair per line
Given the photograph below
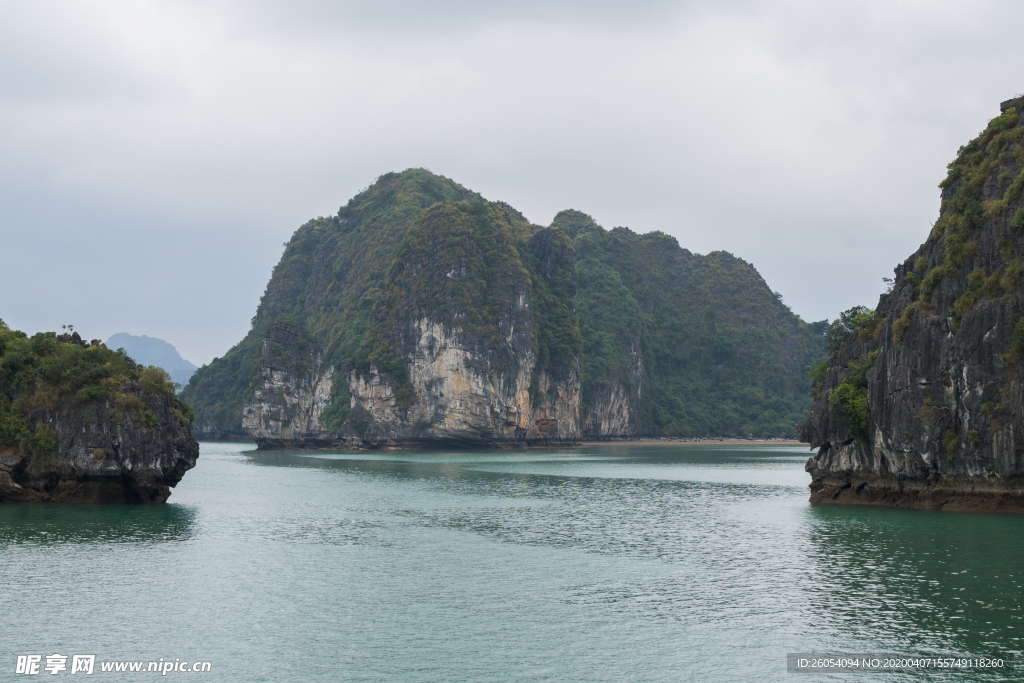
x,y
80,423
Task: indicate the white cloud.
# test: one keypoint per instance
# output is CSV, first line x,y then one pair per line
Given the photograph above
x,y
161,152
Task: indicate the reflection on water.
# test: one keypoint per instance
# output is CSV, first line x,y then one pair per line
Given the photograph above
x,y
927,581
608,564
54,524
728,464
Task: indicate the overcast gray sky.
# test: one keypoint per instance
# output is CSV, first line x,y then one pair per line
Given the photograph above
x,y
155,155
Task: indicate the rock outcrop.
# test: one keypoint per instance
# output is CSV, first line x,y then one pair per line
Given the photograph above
x,y
98,459
128,441
922,404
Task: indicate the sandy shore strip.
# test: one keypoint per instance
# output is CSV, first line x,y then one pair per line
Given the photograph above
x,y
556,443
670,441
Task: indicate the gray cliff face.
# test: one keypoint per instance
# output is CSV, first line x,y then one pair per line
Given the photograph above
x,y
291,392
103,455
465,389
944,392
615,410
463,397
459,398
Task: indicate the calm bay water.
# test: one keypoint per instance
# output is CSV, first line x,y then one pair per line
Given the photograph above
x,y
655,563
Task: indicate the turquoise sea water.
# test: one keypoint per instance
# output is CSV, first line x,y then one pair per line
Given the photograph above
x,y
663,563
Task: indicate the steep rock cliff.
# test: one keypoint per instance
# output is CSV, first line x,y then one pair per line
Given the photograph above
x,y
453,354
80,423
921,404
292,389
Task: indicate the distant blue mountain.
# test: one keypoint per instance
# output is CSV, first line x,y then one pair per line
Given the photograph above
x,y
153,351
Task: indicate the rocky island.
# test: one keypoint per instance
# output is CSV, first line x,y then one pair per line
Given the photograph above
x,y
921,401
423,314
80,423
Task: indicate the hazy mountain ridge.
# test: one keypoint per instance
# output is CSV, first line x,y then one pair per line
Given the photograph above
x,y
154,351
435,315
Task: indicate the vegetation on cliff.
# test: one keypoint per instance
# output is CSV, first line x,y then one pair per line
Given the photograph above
x,y
982,184
721,353
982,189
716,351
50,372
466,265
457,265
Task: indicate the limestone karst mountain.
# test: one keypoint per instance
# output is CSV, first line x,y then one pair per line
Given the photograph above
x,y
423,313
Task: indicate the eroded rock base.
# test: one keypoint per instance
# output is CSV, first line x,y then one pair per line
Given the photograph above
x,y
106,491
991,494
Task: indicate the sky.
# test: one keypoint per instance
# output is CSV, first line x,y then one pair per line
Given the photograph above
x,y
155,156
